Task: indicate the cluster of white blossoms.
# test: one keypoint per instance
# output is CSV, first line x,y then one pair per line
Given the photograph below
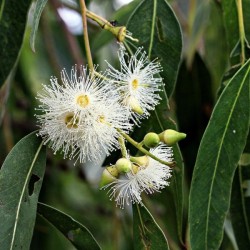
x,y
148,176
82,113
85,115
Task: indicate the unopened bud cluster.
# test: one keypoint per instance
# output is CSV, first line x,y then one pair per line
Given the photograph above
x,y
129,177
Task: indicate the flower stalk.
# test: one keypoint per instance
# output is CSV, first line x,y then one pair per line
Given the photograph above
x,y
85,34
241,30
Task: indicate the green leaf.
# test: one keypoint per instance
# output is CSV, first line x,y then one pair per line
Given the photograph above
x,y
78,234
201,13
230,16
161,36
159,32
147,233
240,209
21,178
40,4
231,22
220,150
13,15
246,16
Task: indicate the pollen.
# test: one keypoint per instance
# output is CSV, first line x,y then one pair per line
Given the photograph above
x,y
70,121
102,119
135,84
83,101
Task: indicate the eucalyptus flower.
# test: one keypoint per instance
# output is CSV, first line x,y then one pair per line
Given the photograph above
x,y
80,116
148,178
138,82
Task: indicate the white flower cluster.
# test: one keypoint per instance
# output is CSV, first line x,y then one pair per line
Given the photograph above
x,y
81,113
149,179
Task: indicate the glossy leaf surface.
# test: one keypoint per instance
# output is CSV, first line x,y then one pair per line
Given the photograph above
x,y
21,178
13,15
147,233
78,234
220,150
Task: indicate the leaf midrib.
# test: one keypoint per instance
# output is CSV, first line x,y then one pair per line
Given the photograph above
x,y
22,194
152,29
218,156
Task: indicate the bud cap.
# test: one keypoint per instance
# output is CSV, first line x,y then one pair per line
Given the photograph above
x,y
170,136
106,178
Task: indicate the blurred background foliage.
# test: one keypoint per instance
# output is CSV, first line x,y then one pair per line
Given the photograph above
x,y
207,43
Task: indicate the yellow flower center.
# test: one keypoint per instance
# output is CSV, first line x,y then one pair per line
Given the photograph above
x,y
83,101
102,118
70,121
135,84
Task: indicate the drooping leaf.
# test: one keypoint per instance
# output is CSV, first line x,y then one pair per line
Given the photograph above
x,y
218,155
199,20
159,33
12,26
246,16
215,31
40,4
74,231
231,22
21,178
240,209
147,233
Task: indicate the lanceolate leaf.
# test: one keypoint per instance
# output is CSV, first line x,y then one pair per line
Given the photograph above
x,y
13,15
218,155
159,33
147,233
40,4
231,22
21,178
78,234
240,209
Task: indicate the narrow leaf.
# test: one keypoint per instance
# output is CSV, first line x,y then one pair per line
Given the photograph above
x,y
231,22
221,146
40,4
74,231
21,178
161,37
147,233
240,209
13,15
159,32
201,14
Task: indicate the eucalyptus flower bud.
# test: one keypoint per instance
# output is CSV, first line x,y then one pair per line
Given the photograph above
x,y
151,140
109,175
170,136
140,160
123,165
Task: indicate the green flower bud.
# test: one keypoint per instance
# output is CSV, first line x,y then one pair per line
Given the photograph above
x,y
140,160
123,165
109,175
170,136
151,140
